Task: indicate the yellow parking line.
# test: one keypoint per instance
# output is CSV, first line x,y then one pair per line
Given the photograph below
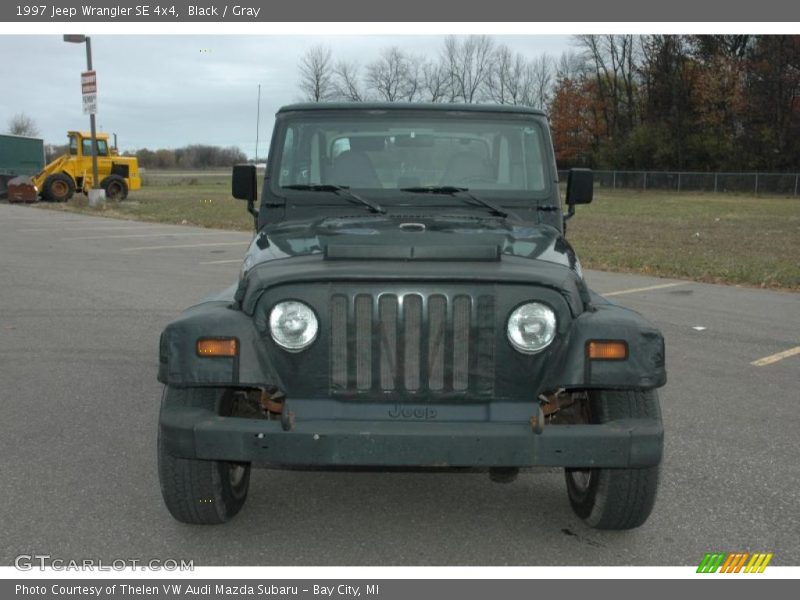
x,y
241,243
773,358
660,286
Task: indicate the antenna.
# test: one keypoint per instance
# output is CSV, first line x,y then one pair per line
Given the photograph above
x,y
258,120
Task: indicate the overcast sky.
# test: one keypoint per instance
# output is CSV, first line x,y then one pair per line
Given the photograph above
x,y
170,91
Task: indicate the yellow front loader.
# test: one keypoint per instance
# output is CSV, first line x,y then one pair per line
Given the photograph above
x,y
72,172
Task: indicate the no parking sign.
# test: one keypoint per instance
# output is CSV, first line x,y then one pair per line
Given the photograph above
x,y
89,92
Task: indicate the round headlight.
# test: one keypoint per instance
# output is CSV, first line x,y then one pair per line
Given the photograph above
x,y
531,327
293,325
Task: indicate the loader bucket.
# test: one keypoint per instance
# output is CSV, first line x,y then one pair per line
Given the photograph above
x,y
21,189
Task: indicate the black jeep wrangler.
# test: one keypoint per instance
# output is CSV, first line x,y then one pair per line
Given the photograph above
x,y
410,300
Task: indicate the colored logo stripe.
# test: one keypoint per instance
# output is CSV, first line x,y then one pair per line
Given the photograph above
x,y
734,562
711,562
758,563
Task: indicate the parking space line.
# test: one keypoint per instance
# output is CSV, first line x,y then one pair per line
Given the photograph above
x,y
660,286
97,228
241,243
143,235
773,358
26,220
220,262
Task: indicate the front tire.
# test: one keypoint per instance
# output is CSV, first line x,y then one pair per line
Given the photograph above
x,y
616,498
201,492
58,187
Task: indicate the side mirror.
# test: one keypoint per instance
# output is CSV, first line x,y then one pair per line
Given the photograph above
x,y
580,186
245,187
243,182
580,190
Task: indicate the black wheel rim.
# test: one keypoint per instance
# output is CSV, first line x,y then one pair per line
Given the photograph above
x,y
581,479
237,479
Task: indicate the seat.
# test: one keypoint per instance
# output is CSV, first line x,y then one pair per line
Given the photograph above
x,y
464,167
354,169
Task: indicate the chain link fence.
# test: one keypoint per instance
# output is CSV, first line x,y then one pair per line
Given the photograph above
x,y
786,184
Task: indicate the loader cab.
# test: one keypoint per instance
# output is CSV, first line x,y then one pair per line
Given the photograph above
x,y
80,145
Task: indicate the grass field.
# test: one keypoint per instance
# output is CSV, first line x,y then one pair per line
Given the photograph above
x,y
720,238
185,198
716,238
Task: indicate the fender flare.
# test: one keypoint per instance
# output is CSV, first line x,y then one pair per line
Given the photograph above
x,y
643,369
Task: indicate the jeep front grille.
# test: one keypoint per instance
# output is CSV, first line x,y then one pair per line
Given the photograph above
x,y
412,343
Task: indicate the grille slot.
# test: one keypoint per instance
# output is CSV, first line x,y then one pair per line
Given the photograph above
x,y
461,327
388,341
363,342
412,343
339,342
412,306
437,313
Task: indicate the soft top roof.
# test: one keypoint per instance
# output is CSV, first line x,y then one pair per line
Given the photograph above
x,y
422,106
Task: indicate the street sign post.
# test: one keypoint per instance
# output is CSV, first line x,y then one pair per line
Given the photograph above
x,y
89,95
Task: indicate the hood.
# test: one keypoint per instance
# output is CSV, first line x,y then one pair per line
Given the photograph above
x,y
399,237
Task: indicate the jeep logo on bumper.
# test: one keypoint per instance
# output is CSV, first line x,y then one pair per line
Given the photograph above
x,y
412,412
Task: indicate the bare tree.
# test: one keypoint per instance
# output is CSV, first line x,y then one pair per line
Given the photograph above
x,y
540,80
500,81
316,74
470,69
22,124
435,86
614,63
388,76
469,63
347,82
571,65
414,72
513,79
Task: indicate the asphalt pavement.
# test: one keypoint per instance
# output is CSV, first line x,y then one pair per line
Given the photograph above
x,y
83,300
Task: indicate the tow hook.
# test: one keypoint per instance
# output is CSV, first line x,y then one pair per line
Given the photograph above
x,y
287,420
274,407
271,404
537,421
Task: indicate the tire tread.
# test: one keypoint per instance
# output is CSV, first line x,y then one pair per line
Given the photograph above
x,y
192,488
622,498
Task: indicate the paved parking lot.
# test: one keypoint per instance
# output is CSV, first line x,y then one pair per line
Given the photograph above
x,y
83,300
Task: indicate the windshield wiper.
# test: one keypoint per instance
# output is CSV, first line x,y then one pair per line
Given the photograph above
x,y
338,190
452,190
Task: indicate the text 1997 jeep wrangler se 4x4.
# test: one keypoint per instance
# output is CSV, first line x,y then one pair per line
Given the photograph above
x,y
410,299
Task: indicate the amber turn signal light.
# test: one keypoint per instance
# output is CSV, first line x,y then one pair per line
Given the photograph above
x,y
607,350
218,347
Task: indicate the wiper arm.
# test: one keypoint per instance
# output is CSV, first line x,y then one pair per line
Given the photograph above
x,y
452,190
338,190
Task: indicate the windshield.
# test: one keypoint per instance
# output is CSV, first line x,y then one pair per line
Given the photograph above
x,y
392,152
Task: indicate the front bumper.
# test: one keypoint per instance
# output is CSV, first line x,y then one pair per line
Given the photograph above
x,y
189,432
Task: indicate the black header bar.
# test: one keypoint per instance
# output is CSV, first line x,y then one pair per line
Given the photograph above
x,y
255,11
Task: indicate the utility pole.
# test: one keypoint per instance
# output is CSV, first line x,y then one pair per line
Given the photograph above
x,y
85,39
258,121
